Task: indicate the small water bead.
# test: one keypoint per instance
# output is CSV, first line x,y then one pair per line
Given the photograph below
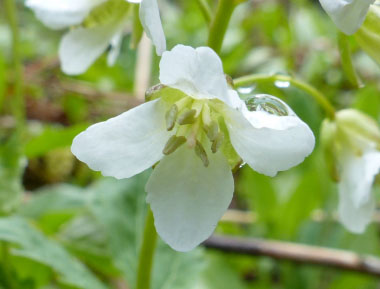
x,y
267,103
282,84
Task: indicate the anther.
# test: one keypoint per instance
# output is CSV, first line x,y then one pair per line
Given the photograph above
x,y
201,153
173,144
171,116
217,143
212,130
187,116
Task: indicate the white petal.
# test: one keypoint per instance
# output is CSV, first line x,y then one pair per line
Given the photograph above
x,y
348,15
355,218
196,72
114,52
58,14
357,177
151,21
269,143
188,199
125,145
80,47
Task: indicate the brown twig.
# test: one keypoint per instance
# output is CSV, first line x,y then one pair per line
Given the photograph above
x,y
296,252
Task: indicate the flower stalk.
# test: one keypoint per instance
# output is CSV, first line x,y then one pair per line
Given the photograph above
x,y
18,103
220,23
144,270
320,98
346,60
205,9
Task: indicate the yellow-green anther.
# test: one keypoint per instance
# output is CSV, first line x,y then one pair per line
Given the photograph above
x,y
212,130
201,153
173,143
197,105
171,116
217,143
187,116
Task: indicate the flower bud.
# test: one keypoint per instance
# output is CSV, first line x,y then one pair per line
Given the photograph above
x,y
368,36
351,133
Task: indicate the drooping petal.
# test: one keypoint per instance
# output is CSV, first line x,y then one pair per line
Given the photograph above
x,y
348,15
356,203
188,199
125,145
197,72
355,218
58,14
151,21
269,143
80,47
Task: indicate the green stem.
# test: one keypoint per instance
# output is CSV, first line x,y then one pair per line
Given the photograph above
x,y
205,9
220,23
18,104
144,270
320,98
137,30
346,60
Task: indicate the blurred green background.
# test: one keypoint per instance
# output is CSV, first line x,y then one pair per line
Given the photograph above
x,y
64,226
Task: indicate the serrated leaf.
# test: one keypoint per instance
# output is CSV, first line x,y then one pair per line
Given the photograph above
x,y
33,245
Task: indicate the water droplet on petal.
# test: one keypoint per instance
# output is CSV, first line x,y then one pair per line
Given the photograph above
x,y
242,165
267,103
282,84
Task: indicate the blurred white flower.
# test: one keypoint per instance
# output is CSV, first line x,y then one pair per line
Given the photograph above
x,y
348,15
97,25
196,127
353,142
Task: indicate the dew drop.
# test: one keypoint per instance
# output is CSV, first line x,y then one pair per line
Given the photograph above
x,y
267,103
282,84
242,165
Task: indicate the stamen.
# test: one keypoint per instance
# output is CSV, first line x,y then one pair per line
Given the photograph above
x,y
201,153
212,130
173,144
198,105
217,143
187,116
171,116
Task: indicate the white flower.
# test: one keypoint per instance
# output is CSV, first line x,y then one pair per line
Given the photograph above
x,y
348,15
353,140
195,127
98,24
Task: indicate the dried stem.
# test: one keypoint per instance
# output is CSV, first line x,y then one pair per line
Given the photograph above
x,y
296,252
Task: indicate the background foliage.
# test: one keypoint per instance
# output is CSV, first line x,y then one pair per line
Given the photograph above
x,y
64,226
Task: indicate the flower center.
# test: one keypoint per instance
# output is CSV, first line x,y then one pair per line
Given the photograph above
x,y
196,123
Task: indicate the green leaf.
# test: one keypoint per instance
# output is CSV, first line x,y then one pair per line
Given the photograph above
x,y
33,245
11,169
